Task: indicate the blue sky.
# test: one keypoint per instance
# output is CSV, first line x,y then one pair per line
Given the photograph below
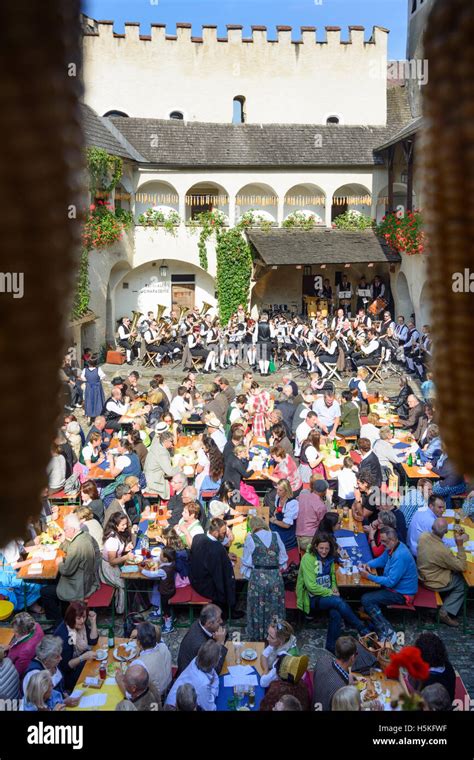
x,y
391,14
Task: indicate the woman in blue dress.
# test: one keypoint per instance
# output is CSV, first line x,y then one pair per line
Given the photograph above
x,y
94,401
13,588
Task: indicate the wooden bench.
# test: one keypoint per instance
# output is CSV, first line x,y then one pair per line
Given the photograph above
x,y
60,497
424,600
187,596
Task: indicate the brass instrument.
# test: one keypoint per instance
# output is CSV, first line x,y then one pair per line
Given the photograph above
x,y
133,327
182,310
204,309
160,310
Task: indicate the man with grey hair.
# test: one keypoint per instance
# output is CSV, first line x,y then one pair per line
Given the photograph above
x,y
186,698
209,626
158,469
286,406
415,411
441,570
201,673
398,581
47,657
176,502
78,570
135,686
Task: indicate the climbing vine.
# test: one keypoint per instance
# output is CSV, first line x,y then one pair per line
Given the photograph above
x,y
210,223
82,295
234,270
105,170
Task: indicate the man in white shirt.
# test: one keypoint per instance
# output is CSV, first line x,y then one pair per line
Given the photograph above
x,y
215,431
422,521
328,412
303,430
368,354
181,404
115,408
130,342
201,673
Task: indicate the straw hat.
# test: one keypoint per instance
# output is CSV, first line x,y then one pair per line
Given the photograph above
x,y
161,427
213,421
292,669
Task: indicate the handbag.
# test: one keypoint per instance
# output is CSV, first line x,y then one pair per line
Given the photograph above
x,y
290,576
382,652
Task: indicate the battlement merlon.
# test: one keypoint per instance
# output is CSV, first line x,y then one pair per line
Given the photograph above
x,y
309,35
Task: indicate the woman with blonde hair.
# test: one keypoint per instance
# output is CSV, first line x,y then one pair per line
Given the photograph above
x,y
139,423
40,695
283,521
346,699
89,524
264,555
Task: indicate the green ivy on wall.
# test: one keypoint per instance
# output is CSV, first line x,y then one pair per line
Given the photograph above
x,y
234,270
105,170
82,295
210,222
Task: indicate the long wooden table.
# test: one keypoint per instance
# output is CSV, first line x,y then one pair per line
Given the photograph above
x,y
347,581
91,668
413,473
259,646
6,635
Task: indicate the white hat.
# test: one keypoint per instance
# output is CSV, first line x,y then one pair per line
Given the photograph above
x,y
161,427
212,421
217,508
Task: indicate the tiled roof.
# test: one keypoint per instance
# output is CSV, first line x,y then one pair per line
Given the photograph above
x,y
174,143
101,133
281,246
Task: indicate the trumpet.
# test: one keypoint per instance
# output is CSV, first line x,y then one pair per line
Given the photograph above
x,y
133,327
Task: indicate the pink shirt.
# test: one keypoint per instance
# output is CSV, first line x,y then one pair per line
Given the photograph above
x,y
311,511
288,469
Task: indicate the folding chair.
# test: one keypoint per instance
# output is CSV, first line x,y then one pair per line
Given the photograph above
x,y
333,368
375,370
149,359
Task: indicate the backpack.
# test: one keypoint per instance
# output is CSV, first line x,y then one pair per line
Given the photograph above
x,y
290,576
131,622
72,484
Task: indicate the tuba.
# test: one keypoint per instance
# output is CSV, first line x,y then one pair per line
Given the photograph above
x,y
182,310
160,310
204,309
133,326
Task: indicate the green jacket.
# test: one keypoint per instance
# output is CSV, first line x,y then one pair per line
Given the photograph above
x,y
306,585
